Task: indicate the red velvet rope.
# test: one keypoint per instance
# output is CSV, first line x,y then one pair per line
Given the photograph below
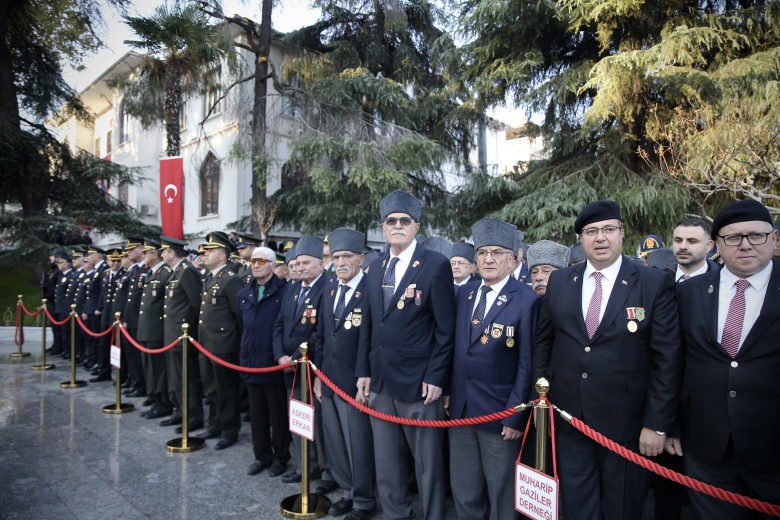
x,y
94,334
31,314
19,332
248,370
55,322
707,489
144,349
470,421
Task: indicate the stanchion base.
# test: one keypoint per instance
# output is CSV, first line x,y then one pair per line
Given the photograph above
x,y
318,506
74,384
18,354
122,408
43,367
193,444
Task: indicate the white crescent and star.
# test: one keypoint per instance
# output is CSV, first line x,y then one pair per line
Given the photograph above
x,y
175,192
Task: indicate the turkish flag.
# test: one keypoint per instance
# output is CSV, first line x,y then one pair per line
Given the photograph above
x,y
171,203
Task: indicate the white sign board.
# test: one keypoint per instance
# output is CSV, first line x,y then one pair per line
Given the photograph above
x,y
302,419
536,494
115,358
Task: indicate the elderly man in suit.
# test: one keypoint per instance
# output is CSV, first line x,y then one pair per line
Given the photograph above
x,y
608,341
544,257
404,358
495,326
348,436
730,321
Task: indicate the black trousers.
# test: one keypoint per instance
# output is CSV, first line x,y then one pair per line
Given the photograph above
x,y
268,413
135,366
220,386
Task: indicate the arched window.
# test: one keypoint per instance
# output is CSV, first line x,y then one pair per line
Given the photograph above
x,y
209,186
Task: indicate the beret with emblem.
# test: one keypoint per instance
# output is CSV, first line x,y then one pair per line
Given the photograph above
x,y
492,232
547,252
345,239
596,212
463,250
400,202
740,211
309,245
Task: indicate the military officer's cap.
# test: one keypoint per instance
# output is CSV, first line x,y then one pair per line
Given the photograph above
x,y
114,254
133,242
492,232
219,239
547,252
201,249
60,253
345,239
309,245
247,241
463,250
78,252
650,243
172,243
400,202
151,245
288,245
280,258
93,249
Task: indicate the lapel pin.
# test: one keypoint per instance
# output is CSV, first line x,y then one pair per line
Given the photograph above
x,y
416,263
624,282
575,278
709,289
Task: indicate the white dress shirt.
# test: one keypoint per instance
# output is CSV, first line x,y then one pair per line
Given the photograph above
x,y
754,298
608,279
404,259
351,286
491,296
679,274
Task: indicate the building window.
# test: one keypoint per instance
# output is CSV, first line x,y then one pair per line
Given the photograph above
x,y
212,94
183,114
109,138
97,147
290,105
124,124
122,196
292,176
209,186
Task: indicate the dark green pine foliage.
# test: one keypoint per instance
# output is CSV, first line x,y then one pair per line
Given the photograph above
x,y
605,75
374,111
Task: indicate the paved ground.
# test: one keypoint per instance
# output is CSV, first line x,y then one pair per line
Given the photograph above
x,y
61,457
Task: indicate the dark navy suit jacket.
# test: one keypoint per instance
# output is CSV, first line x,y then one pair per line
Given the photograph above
x,y
258,321
402,348
492,377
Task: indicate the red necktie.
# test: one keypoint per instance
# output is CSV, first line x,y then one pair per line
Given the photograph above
x,y
732,329
594,309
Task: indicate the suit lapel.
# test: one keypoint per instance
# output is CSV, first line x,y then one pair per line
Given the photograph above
x,y
620,290
576,296
357,294
499,304
411,273
710,301
770,310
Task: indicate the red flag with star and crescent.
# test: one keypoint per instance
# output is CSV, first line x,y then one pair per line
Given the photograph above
x,y
171,203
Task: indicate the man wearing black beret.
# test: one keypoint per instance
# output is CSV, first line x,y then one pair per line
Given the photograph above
x,y
730,321
608,341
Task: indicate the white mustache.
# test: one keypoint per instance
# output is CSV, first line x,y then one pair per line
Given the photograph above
x,y
536,285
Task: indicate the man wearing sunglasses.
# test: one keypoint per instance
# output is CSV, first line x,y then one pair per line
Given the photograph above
x,y
404,358
608,342
730,321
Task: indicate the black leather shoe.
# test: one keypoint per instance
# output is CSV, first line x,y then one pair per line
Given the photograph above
x,y
127,384
100,378
325,487
341,507
246,418
224,443
147,402
292,478
208,435
156,414
171,421
193,426
277,468
94,367
256,467
95,372
360,514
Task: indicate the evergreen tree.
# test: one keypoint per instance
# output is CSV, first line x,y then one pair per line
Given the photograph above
x,y
606,76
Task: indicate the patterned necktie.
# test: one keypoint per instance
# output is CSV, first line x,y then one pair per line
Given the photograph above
x,y
302,298
683,278
732,329
388,283
594,309
342,304
479,313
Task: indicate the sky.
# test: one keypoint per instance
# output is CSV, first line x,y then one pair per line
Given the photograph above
x,y
288,15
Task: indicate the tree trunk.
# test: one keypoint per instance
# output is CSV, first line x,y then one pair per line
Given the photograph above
x,y
171,105
262,223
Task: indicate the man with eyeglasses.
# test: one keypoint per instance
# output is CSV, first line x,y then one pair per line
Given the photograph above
x,y
495,324
608,341
462,262
259,304
404,358
730,320
347,431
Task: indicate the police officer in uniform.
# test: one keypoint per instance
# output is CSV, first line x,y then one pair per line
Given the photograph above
x,y
79,297
120,298
92,299
134,281
219,329
182,304
150,330
61,308
108,282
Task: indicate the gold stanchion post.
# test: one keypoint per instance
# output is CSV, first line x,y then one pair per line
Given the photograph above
x,y
306,505
119,406
20,311
185,444
43,365
73,383
542,420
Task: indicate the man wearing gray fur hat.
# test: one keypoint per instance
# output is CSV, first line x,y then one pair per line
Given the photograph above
x,y
495,324
462,262
404,359
545,257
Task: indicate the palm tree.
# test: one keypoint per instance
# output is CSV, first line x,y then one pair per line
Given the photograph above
x,y
183,53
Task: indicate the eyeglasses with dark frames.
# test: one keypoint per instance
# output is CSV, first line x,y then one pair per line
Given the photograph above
x,y
754,239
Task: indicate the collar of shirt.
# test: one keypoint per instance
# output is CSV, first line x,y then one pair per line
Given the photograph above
x,y
351,286
754,298
608,280
491,296
313,281
140,264
464,282
217,270
679,274
404,259
610,273
157,267
758,281
98,265
66,272
178,263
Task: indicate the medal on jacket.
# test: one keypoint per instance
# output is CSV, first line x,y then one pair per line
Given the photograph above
x,y
357,318
418,297
400,304
497,330
510,336
484,338
348,322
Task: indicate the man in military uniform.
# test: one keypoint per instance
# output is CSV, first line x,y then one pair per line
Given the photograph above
x,y
120,298
150,330
219,330
48,287
61,307
80,267
108,282
134,280
182,303
246,244
90,314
